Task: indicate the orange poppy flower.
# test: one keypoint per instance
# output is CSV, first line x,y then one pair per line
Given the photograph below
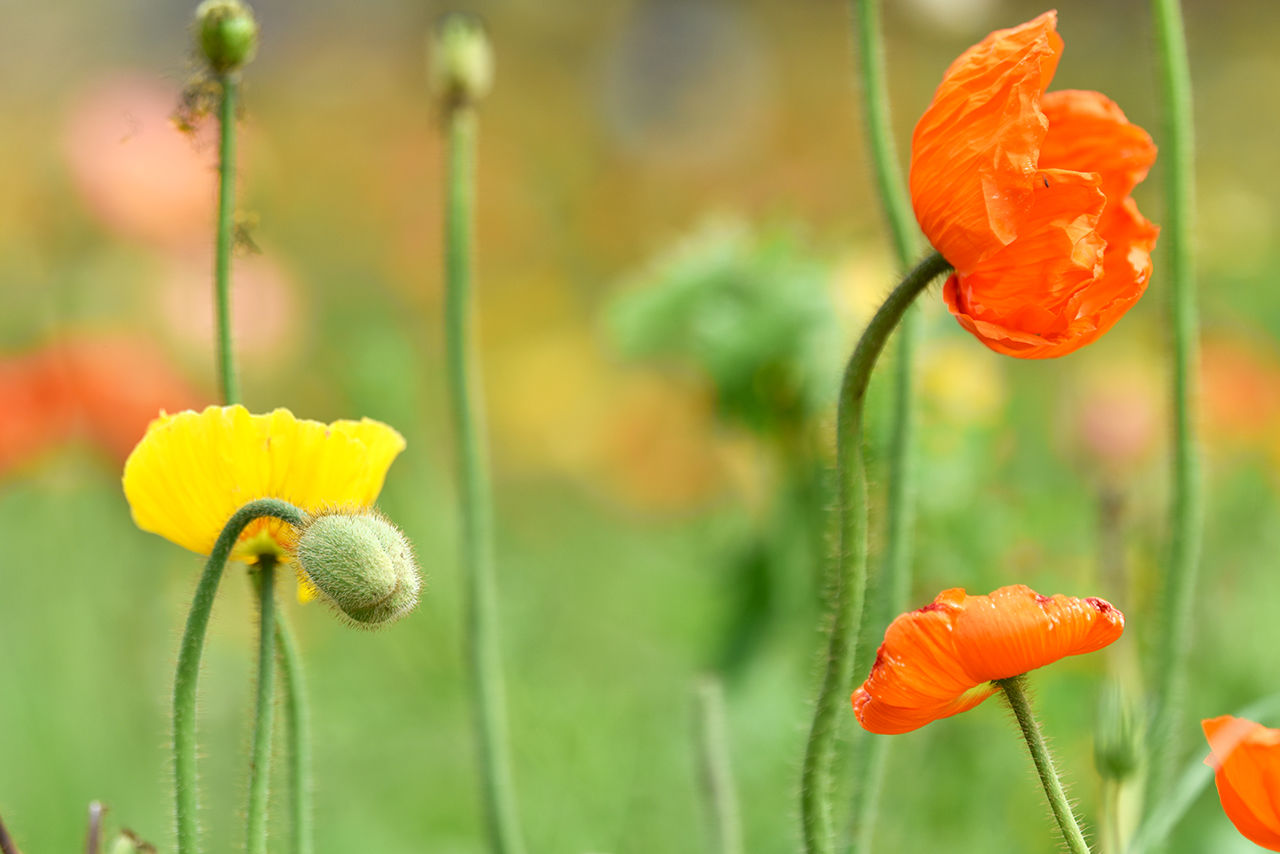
x,y
1026,194
1245,758
944,658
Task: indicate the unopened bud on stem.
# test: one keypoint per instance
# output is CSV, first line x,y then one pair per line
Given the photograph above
x,y
459,60
227,34
362,565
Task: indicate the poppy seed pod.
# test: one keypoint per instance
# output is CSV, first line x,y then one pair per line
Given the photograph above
x,y
227,34
362,565
460,61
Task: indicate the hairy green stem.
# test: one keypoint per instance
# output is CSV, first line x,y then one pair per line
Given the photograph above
x,y
189,654
475,499
226,235
899,516
297,720
7,845
264,711
849,579
1015,692
1186,517
717,771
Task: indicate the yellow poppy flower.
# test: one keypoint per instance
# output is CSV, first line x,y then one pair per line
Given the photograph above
x,y
193,470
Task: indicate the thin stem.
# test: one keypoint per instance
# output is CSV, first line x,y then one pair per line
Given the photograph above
x,y
264,712
849,581
899,506
93,839
1015,693
225,236
189,654
7,845
1186,509
717,771
475,500
297,720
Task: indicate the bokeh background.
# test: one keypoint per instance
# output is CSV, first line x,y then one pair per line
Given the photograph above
x,y
678,242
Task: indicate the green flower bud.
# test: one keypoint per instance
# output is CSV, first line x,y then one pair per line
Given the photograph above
x,y
362,565
128,843
460,62
1118,736
227,32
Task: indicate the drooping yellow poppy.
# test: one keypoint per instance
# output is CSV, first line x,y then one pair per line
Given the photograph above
x,y
193,470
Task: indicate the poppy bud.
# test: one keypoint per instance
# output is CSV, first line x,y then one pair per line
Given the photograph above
x,y
227,33
362,565
460,61
1117,746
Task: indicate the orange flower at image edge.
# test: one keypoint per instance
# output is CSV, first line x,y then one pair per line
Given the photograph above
x,y
1026,194
1245,758
944,658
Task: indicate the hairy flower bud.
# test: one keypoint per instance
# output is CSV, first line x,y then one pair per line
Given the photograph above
x,y
1117,746
227,34
459,60
362,565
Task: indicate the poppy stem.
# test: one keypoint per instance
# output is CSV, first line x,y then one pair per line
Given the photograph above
x,y
260,757
189,654
717,771
899,509
849,574
475,498
1015,692
297,734
1186,509
225,238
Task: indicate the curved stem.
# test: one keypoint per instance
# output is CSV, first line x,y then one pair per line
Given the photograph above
x,y
717,771
1186,517
297,734
1015,693
189,654
850,572
476,502
260,756
225,236
899,515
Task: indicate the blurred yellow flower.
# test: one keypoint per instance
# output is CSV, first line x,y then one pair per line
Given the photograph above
x,y
193,470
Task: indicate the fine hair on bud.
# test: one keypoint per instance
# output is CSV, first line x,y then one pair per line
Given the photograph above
x,y
226,34
361,564
459,60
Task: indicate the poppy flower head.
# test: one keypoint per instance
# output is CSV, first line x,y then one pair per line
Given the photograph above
x,y
193,470
945,658
1026,194
1245,757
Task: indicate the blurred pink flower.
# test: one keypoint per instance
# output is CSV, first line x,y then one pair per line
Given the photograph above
x,y
141,176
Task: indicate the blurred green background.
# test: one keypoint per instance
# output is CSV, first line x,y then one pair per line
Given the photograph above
x,y
660,460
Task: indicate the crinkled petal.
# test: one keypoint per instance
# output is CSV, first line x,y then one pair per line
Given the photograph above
x,y
975,151
1246,761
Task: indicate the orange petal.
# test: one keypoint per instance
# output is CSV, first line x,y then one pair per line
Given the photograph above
x,y
942,659
1246,760
975,151
1015,630
1088,132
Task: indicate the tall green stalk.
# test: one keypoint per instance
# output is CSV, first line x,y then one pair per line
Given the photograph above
x,y
189,655
1015,692
717,770
899,506
260,755
297,721
849,581
225,240
475,499
1186,516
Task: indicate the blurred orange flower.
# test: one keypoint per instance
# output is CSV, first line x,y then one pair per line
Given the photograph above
x,y
944,658
1026,194
1245,758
